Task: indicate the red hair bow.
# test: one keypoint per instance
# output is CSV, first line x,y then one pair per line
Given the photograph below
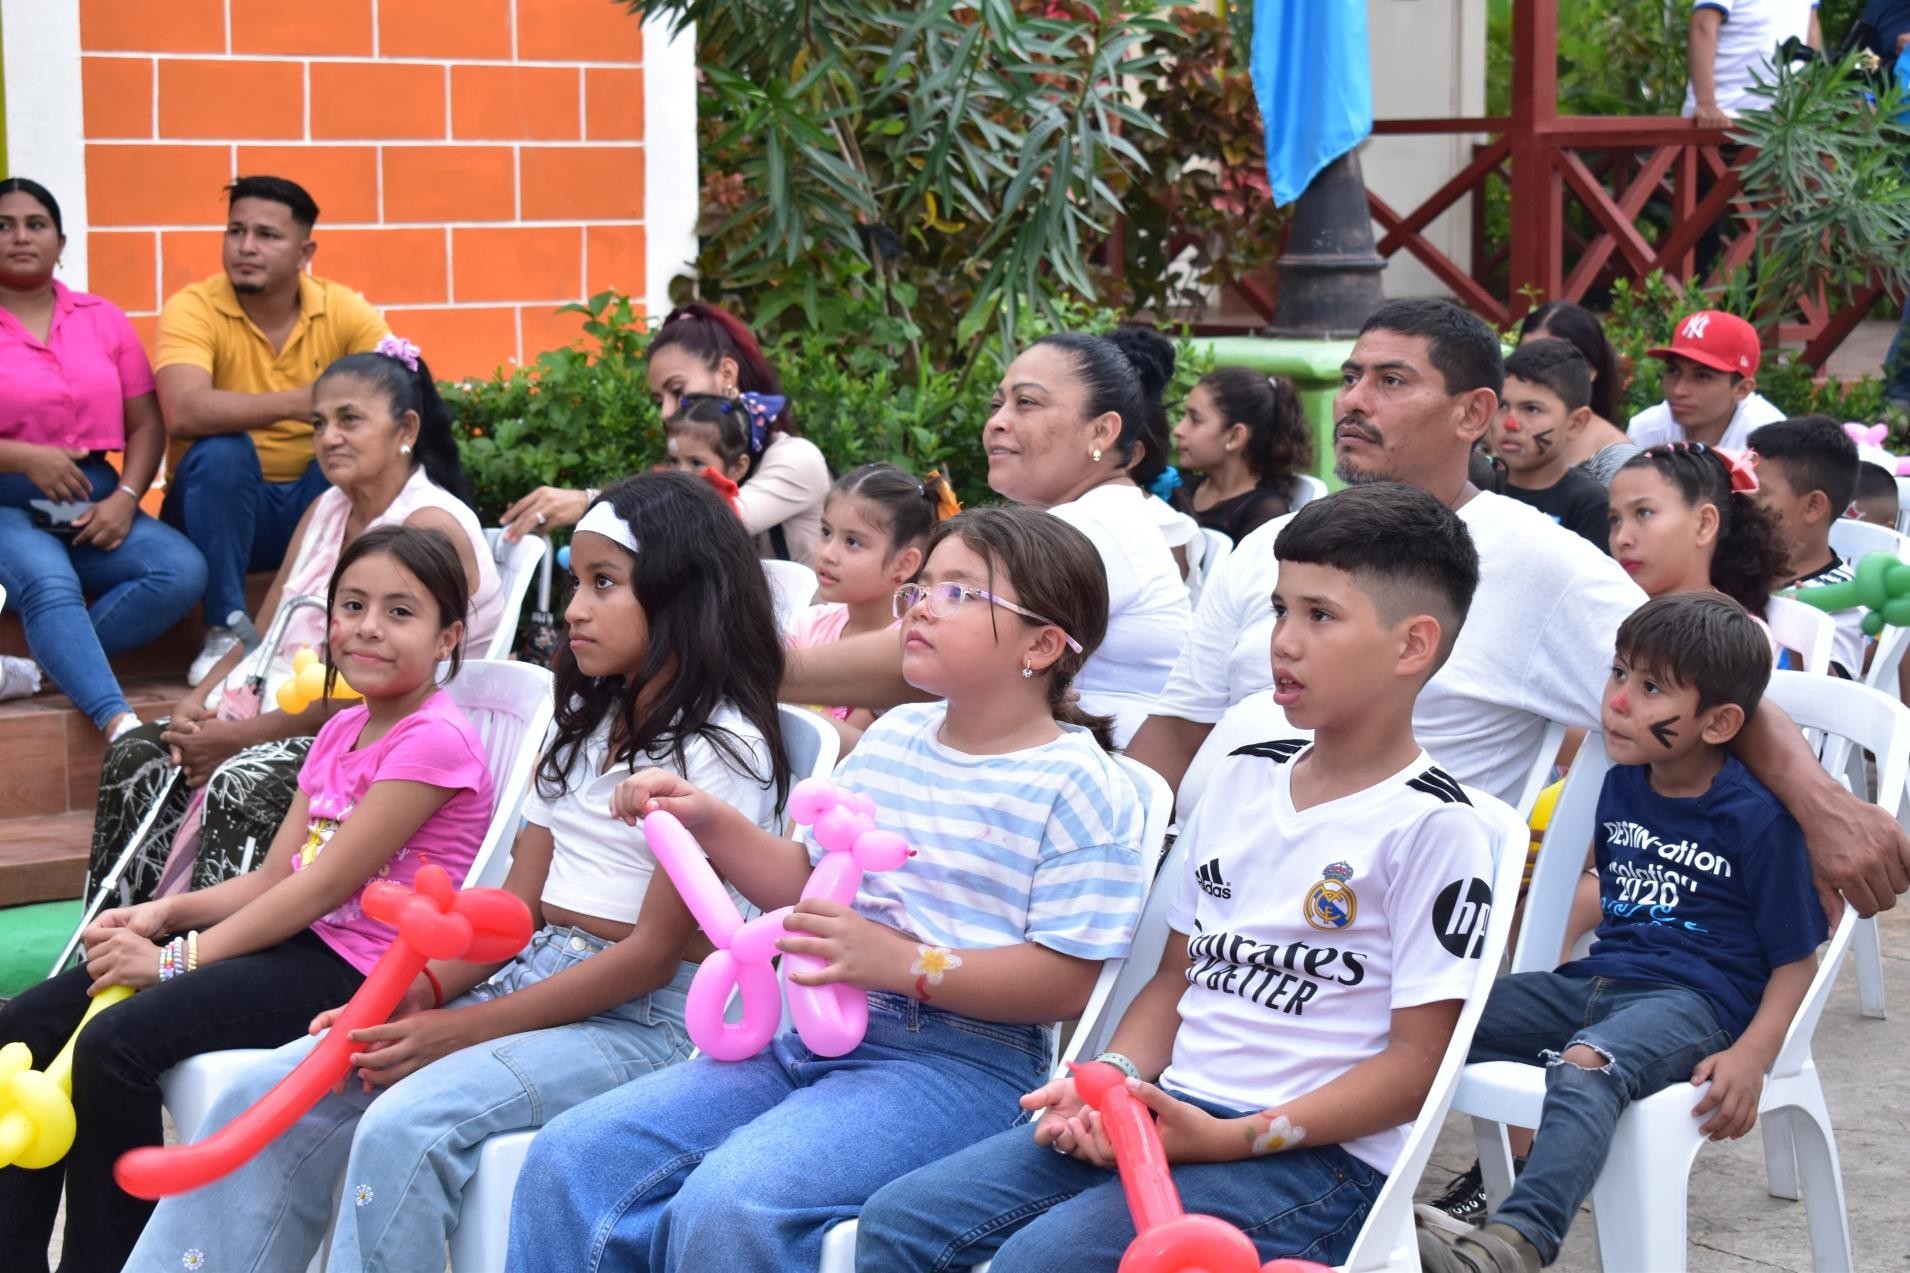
x,y
1742,468
722,486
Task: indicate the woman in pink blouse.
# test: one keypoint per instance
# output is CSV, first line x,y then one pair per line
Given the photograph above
x,y
74,385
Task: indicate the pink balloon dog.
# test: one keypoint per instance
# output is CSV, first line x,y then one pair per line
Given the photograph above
x,y
831,1019
1167,1239
434,922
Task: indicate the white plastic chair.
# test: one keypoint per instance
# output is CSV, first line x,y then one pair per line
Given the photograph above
x,y
510,706
1903,505
792,586
1306,489
1386,1241
482,1236
517,564
1218,547
1638,1203
1808,632
1853,541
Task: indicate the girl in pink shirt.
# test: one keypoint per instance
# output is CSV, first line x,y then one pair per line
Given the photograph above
x,y
248,963
875,522
74,385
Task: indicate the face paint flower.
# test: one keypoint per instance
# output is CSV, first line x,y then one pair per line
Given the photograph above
x,y
1282,1133
932,963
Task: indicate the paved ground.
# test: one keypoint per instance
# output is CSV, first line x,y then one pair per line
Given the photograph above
x,y
1736,1227
1863,353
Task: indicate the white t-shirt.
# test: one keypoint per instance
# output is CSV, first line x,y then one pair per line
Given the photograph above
x,y
1536,647
1308,928
601,867
1747,42
1848,646
1148,611
1654,424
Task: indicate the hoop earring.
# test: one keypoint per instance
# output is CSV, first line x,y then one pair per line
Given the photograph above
x,y
729,391
1027,668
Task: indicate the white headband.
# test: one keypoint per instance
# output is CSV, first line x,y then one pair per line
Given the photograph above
x,y
602,520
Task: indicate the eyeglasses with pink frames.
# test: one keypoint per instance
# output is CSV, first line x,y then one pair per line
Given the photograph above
x,y
945,598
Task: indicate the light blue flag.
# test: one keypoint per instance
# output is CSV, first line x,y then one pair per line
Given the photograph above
x,y
1314,81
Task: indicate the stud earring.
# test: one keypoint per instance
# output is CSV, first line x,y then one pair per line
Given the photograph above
x,y
1027,668
404,449
1095,455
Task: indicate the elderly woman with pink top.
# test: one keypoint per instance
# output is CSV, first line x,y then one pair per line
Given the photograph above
x,y
74,385
382,437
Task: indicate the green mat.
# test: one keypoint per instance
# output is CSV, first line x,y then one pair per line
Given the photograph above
x,y
30,937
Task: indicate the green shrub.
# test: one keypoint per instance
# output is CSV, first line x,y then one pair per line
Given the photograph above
x,y
574,420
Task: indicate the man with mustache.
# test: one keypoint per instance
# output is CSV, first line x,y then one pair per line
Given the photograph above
x,y
1418,390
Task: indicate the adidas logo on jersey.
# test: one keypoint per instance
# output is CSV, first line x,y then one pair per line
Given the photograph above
x,y
1210,881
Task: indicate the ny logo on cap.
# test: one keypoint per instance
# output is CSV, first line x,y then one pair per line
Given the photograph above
x,y
1694,326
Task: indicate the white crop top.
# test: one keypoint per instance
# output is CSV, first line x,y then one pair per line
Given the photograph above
x,y
602,868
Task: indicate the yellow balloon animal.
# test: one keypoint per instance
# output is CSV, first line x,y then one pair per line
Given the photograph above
x,y
36,1107
307,684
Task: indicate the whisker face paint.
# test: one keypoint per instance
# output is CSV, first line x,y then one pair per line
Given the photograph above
x,y
1543,440
1663,731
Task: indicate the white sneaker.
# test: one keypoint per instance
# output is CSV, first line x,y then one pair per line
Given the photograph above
x,y
18,677
219,641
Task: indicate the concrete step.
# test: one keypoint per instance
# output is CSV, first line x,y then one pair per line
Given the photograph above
x,y
43,857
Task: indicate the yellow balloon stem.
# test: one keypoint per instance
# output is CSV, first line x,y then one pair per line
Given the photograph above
x,y
61,1071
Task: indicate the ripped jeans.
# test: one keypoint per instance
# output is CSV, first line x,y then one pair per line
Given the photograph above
x,y
1654,1034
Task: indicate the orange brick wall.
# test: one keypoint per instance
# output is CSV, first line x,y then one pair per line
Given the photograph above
x,y
476,162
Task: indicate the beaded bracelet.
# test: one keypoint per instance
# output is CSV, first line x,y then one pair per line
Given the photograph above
x,y
172,959
192,951
1121,1063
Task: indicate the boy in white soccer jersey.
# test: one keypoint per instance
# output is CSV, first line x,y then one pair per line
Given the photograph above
x,y
1328,925
1707,945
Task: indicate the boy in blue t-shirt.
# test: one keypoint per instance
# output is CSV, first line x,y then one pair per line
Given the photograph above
x,y
1707,944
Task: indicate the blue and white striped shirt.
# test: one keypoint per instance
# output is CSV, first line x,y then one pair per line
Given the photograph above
x,y
1039,845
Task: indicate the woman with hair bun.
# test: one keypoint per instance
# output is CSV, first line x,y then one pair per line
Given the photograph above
x,y
1064,434
700,352
1245,436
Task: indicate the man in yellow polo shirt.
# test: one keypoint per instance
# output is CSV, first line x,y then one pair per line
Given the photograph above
x,y
236,360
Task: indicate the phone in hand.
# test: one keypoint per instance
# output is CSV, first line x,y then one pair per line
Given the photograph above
x,y
56,517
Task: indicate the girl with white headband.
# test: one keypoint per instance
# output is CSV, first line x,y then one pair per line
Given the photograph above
x,y
672,660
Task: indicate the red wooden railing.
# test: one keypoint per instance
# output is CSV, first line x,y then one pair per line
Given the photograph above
x,y
1614,168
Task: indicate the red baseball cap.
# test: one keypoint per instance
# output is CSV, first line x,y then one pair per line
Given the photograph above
x,y
1720,341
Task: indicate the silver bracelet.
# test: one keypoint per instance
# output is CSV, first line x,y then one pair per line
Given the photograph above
x,y
130,491
1121,1063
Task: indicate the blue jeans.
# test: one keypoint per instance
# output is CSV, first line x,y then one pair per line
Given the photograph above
x,y
407,1151
218,495
1034,1210
140,589
743,1166
1654,1034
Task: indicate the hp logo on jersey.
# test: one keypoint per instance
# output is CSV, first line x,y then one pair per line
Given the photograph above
x,y
1460,915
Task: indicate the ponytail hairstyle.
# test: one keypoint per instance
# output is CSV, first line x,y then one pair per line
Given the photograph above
x,y
1580,328
712,334
714,642
429,557
1750,549
1279,443
1055,571
397,371
717,418
1126,372
906,506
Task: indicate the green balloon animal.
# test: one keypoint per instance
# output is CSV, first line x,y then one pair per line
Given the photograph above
x,y
1881,586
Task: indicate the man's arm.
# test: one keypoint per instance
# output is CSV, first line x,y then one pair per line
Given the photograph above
x,y
1701,55
194,409
1167,744
1857,850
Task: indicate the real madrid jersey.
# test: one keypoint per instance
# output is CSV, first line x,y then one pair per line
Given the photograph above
x,y
1306,929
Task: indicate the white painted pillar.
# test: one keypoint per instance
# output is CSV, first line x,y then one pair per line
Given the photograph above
x,y
46,134
672,193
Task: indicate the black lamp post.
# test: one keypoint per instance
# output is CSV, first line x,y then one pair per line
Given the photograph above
x,y
1329,274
